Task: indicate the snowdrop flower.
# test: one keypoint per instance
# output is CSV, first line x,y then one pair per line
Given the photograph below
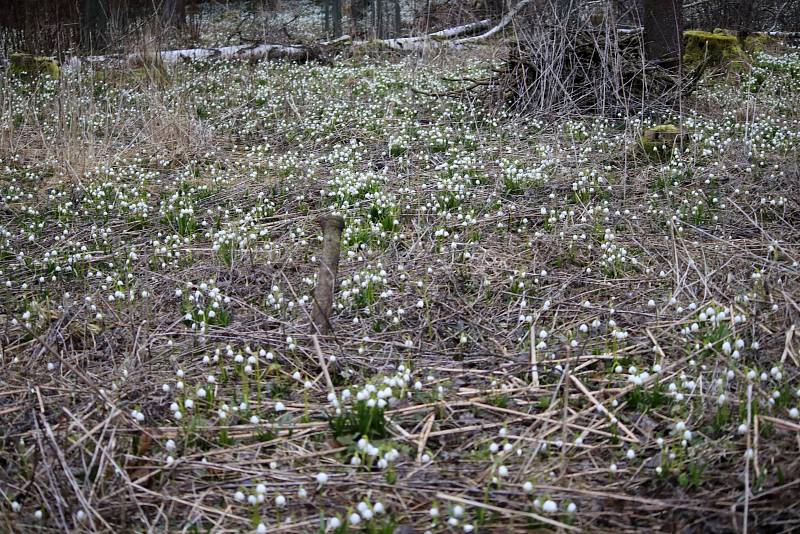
x,y
550,506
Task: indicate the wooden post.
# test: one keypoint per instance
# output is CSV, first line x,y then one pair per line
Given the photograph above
x,y
332,227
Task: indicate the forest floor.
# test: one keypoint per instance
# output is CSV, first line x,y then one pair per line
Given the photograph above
x,y
537,326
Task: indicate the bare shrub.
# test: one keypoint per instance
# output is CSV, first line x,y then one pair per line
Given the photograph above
x,y
580,62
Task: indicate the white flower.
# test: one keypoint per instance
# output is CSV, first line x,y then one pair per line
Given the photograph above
x,y
550,506
354,519
261,528
322,478
527,487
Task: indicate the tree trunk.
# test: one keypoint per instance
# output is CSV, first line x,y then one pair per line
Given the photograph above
x,y
173,13
494,8
94,18
663,32
328,18
336,8
380,11
398,20
358,10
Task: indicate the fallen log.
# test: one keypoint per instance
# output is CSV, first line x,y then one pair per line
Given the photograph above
x,y
430,40
299,53
295,53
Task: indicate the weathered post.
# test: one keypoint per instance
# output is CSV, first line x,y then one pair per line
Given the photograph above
x,y
332,227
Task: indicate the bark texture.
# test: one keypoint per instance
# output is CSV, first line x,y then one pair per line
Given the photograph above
x,y
332,227
663,31
173,13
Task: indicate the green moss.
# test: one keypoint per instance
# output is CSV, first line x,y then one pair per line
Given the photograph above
x,y
763,43
718,49
30,65
658,142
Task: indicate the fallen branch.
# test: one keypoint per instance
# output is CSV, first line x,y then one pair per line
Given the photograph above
x,y
505,21
432,39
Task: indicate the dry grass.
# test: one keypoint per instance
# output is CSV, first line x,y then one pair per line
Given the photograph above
x,y
97,162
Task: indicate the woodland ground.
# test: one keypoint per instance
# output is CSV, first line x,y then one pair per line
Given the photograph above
x,y
537,325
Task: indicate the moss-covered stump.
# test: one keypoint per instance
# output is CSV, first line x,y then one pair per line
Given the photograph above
x,y
658,142
30,65
717,49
